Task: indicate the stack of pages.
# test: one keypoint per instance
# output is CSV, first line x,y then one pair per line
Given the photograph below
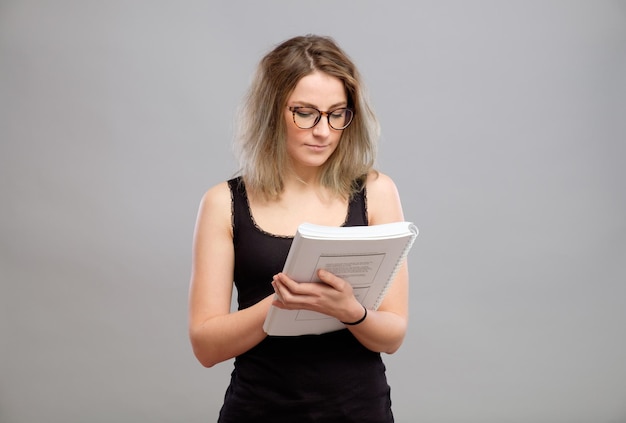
x,y
368,257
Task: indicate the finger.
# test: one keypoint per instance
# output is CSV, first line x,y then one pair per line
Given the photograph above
x,y
293,287
296,295
287,296
279,297
278,304
330,279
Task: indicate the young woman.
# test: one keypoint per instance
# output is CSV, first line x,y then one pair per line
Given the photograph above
x,y
307,144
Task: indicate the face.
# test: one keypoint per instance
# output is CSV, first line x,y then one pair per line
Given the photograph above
x,y
309,149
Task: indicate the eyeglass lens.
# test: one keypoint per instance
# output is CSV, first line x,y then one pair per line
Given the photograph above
x,y
308,117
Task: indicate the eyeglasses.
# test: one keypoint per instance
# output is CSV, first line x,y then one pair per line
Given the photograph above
x,y
308,117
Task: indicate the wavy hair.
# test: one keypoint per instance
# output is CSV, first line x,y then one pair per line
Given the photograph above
x,y
261,132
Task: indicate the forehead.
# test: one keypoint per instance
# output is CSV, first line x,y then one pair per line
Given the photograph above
x,y
319,89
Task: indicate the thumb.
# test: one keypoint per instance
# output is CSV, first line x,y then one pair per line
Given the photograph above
x,y
327,277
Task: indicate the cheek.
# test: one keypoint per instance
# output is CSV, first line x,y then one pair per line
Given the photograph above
x,y
291,130
292,136
337,138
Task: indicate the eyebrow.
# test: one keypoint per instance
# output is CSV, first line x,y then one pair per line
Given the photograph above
x,y
333,107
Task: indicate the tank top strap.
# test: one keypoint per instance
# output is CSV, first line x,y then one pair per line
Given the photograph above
x,y
357,208
240,210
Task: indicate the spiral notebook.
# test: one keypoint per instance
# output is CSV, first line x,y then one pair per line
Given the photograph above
x,y
368,257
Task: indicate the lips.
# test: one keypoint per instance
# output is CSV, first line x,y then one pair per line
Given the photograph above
x,y
317,147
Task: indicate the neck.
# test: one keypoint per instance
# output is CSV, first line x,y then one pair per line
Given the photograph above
x,y
306,184
303,177
298,183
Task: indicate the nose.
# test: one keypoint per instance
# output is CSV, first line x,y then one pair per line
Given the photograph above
x,y
322,128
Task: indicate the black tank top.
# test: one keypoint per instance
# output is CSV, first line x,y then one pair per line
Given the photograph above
x,y
311,378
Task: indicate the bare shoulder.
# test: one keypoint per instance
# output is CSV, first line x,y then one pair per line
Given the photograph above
x,y
383,199
380,182
215,206
217,195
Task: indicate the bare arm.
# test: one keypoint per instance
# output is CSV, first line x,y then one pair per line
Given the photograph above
x,y
216,334
384,329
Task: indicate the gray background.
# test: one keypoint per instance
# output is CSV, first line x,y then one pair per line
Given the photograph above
x,y
503,126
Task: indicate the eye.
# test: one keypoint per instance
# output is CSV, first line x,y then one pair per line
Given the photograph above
x,y
338,114
305,112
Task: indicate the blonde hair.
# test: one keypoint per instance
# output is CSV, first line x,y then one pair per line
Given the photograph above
x,y
261,139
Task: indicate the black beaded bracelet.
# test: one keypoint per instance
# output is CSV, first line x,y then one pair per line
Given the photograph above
x,y
358,321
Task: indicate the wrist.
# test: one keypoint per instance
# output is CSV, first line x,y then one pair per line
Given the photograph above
x,y
359,320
